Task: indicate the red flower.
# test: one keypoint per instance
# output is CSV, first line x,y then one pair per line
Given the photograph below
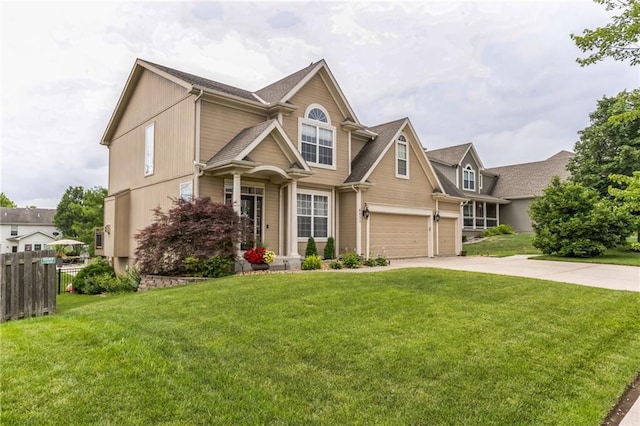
x,y
255,255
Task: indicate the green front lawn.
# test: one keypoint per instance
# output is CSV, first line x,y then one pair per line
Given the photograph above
x,y
502,245
413,346
513,244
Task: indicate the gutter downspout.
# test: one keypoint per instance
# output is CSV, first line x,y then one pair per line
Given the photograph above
x,y
197,172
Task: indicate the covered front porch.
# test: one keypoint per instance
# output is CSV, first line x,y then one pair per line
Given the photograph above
x,y
480,213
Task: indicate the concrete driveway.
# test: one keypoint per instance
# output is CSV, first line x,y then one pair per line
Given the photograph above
x,y
614,277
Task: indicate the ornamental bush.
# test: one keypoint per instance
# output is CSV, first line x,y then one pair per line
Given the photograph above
x,y
573,221
81,282
498,230
198,228
351,260
311,262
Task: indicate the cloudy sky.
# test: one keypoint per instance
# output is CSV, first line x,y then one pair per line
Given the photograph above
x,y
499,74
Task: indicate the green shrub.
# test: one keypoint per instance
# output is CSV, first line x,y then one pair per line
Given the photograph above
x,y
498,230
635,246
351,260
330,249
98,266
336,264
95,284
312,262
311,250
381,261
211,267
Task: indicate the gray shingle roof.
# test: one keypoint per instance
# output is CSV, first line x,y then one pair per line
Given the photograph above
x,y
239,142
451,155
448,187
276,91
205,82
529,179
17,216
368,155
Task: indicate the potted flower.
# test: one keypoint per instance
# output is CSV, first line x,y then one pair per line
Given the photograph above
x,y
259,257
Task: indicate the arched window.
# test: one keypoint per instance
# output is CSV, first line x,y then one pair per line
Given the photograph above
x,y
317,137
402,157
468,178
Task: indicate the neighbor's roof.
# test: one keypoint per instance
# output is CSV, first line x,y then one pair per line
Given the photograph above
x,y
529,179
26,216
451,156
373,149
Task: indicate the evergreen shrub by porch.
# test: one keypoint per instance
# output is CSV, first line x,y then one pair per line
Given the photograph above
x,y
198,228
330,249
311,250
311,262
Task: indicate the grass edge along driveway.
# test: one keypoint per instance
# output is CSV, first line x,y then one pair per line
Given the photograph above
x,y
412,346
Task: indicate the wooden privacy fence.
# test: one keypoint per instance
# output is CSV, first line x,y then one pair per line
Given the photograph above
x,y
27,284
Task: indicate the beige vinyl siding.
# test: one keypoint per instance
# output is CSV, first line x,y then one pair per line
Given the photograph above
x,y
109,219
173,153
387,189
221,124
268,152
347,222
447,237
271,206
316,92
395,235
153,94
450,207
357,143
122,224
212,187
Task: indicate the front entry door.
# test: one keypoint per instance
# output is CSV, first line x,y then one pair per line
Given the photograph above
x,y
250,208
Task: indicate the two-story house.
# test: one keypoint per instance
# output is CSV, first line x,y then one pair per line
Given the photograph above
x,y
292,156
26,229
499,195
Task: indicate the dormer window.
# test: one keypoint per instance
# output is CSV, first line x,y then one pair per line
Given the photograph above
x,y
402,157
317,137
468,178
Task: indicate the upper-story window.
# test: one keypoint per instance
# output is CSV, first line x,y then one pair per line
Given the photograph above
x,y
14,230
402,157
468,178
317,137
149,146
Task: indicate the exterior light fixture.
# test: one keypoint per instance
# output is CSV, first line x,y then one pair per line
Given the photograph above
x,y
436,217
365,212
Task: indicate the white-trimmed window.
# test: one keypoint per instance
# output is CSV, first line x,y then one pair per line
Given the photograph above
x,y
402,157
317,137
186,191
469,178
149,146
14,230
313,215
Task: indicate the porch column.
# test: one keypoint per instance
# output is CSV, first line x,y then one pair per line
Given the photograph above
x,y
497,214
484,211
292,230
236,201
474,214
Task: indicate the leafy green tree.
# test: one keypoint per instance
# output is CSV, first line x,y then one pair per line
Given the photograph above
x,y
574,221
617,40
611,143
79,212
629,196
5,201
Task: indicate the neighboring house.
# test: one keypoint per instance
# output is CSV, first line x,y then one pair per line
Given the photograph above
x,y
521,183
499,195
26,229
461,166
293,157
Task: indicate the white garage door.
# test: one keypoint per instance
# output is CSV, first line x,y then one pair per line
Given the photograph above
x,y
447,237
396,235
